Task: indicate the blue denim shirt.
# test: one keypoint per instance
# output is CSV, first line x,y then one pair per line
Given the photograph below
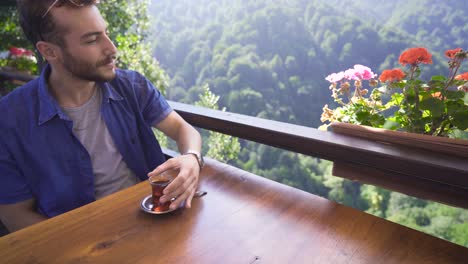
x,y
41,158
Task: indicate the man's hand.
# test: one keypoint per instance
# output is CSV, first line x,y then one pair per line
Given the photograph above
x,y
184,185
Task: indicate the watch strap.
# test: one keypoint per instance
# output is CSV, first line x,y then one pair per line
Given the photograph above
x,y
198,156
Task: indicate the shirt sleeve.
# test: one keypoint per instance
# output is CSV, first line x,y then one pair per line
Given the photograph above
x,y
13,186
154,106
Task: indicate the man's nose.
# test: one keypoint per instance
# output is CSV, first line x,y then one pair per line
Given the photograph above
x,y
110,48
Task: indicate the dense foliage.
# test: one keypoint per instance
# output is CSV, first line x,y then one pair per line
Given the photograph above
x,y
269,59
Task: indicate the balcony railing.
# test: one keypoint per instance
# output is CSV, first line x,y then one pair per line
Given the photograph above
x,y
439,177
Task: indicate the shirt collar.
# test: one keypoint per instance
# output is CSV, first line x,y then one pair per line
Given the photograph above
x,y
48,106
108,92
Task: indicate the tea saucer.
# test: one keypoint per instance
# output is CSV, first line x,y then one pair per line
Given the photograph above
x,y
147,205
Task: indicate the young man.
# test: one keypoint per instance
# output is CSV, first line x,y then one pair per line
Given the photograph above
x,y
82,130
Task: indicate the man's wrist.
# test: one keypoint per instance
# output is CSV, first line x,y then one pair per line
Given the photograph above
x,y
198,156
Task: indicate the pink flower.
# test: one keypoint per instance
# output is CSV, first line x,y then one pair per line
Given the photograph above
x,y
335,77
363,72
359,72
351,74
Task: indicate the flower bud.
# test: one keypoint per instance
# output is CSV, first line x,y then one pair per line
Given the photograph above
x,y
358,84
327,114
345,86
373,83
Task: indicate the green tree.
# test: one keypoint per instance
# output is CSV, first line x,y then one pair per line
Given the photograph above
x,y
128,26
10,32
217,146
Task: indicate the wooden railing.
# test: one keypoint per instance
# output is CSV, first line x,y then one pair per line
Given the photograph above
x,y
435,176
8,75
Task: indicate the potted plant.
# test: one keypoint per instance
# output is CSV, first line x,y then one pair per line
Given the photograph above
x,y
18,60
399,100
14,63
400,108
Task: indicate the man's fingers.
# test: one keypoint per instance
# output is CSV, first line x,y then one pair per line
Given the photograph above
x,y
184,197
181,184
188,203
182,180
168,165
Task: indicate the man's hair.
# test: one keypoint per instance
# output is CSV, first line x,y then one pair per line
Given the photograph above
x,y
36,27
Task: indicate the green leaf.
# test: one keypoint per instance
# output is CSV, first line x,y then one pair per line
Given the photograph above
x,y
377,120
453,107
460,118
362,116
465,99
398,85
434,105
460,134
392,125
438,78
398,97
436,84
455,95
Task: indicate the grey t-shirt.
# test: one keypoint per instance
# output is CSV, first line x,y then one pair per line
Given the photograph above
x,y
111,173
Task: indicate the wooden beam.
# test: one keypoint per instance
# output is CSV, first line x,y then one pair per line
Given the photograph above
x,y
8,3
8,75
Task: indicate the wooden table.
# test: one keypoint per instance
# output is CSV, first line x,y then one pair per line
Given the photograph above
x,y
243,219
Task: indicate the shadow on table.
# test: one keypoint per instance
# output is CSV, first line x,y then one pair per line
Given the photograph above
x,y
3,230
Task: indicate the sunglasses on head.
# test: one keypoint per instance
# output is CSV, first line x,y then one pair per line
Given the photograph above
x,y
78,3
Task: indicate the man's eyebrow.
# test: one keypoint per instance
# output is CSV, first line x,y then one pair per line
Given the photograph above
x,y
89,34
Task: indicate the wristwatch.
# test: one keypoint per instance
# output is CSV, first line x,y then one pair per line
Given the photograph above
x,y
198,156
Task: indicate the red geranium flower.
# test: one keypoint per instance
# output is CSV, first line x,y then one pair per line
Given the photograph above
x,y
451,53
16,51
28,53
392,75
463,76
415,56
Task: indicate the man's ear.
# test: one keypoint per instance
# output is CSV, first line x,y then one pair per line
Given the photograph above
x,y
48,50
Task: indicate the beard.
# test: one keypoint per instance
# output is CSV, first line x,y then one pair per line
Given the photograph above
x,y
89,71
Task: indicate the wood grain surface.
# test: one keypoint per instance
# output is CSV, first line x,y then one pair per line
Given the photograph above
x,y
244,218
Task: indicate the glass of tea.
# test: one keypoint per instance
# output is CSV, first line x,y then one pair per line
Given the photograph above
x,y
158,184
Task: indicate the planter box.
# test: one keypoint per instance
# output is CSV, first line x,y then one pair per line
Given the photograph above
x,y
457,147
